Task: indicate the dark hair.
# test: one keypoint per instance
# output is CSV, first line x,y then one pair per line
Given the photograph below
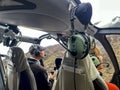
x,y
35,49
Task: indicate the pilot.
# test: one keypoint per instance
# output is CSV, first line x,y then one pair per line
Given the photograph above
x,y
43,82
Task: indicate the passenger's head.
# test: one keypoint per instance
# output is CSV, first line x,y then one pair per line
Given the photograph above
x,y
37,51
95,51
94,48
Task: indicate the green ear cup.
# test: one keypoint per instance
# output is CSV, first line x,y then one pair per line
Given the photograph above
x,y
95,60
77,46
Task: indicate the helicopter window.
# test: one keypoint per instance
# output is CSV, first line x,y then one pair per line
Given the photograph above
x,y
108,70
103,13
114,41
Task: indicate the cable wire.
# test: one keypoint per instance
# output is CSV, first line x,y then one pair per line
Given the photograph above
x,y
75,63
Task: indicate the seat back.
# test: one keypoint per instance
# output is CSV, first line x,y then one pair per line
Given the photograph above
x,y
85,74
15,69
2,76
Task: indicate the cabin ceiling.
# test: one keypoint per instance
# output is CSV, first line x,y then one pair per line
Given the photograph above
x,y
45,15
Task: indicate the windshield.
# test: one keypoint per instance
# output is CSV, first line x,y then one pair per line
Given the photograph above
x,y
104,10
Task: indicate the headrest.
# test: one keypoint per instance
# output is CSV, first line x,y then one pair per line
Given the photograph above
x,y
84,12
19,59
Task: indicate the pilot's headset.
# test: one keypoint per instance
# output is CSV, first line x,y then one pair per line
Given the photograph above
x,y
35,49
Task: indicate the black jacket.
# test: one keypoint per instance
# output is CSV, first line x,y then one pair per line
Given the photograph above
x,y
41,75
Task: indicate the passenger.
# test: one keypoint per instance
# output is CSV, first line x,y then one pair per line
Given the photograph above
x,y
98,61
41,76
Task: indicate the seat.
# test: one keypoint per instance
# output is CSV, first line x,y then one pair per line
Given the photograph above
x,y
2,76
16,68
85,75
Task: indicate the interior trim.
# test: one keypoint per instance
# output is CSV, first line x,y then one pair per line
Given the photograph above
x,y
24,4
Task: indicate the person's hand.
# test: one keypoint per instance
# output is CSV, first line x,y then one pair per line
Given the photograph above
x,y
51,75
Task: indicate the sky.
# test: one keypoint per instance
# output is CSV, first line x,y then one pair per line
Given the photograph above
x,y
103,10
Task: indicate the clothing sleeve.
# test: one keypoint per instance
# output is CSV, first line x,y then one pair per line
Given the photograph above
x,y
42,80
51,81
